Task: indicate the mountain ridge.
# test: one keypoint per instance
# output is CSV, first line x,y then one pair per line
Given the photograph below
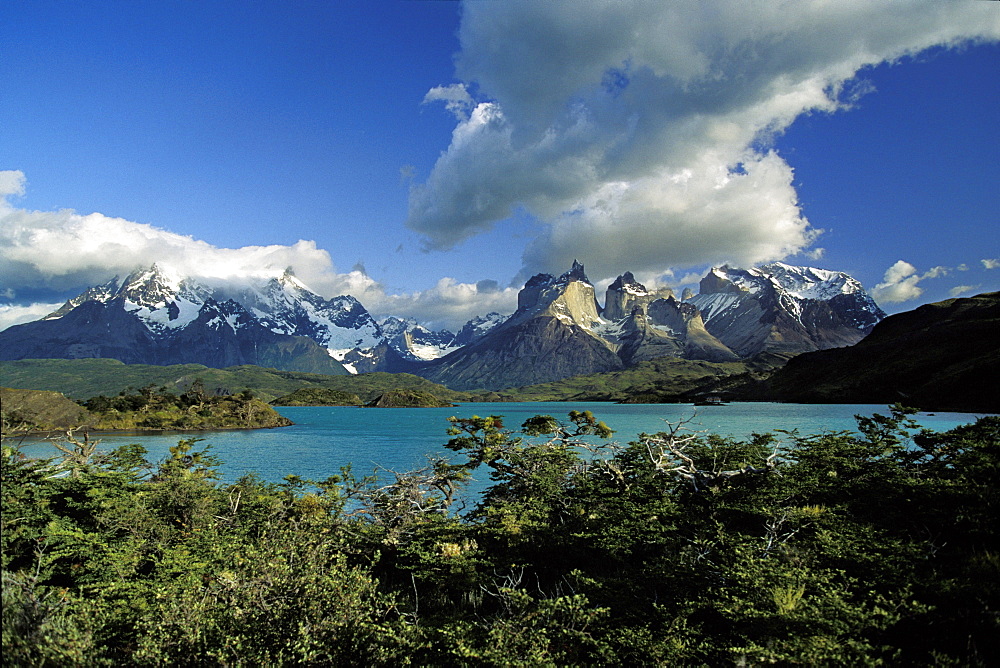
x,y
558,330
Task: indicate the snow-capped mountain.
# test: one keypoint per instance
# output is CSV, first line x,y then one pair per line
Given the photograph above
x,y
478,327
154,316
285,305
415,342
781,308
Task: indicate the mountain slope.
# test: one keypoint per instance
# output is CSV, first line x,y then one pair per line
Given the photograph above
x,y
549,337
779,308
154,318
85,378
939,356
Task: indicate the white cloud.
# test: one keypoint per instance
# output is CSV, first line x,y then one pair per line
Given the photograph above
x,y
899,284
11,314
455,97
990,263
639,130
11,183
58,251
961,289
936,272
449,304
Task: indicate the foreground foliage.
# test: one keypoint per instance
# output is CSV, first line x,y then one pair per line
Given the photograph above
x,y
676,549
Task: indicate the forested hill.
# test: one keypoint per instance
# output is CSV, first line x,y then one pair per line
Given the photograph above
x,y
146,409
941,356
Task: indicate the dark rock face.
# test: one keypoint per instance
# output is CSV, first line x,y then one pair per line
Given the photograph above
x,y
626,293
939,356
477,328
535,350
92,329
382,357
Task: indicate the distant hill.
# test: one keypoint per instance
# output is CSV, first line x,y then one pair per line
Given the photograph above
x,y
653,381
39,410
941,356
407,399
318,396
85,378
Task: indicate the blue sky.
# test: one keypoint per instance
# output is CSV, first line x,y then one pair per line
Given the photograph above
x,y
428,156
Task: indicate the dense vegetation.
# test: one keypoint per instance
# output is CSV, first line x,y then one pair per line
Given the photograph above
x,y
676,549
152,408
407,399
148,408
318,396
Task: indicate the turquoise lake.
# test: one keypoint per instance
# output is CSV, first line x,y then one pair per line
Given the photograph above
x,y
325,438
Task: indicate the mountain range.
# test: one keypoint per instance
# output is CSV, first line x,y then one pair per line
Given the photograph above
x,y
558,330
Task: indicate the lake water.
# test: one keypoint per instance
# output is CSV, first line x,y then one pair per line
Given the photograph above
x,y
325,438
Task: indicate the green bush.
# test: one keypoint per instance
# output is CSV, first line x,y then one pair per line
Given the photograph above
x,y
675,549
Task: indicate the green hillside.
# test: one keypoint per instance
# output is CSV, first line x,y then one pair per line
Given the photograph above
x,y
659,380
85,378
37,410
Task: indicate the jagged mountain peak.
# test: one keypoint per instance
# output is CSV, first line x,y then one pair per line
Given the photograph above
x,y
569,298
576,273
627,283
625,294
801,282
478,327
101,293
150,287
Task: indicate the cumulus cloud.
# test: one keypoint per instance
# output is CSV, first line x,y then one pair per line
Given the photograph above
x,y
640,130
51,252
59,250
899,284
990,263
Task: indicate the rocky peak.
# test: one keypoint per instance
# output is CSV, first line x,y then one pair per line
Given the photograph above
x,y
100,293
627,283
781,308
570,298
478,327
576,273
626,293
150,287
719,280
